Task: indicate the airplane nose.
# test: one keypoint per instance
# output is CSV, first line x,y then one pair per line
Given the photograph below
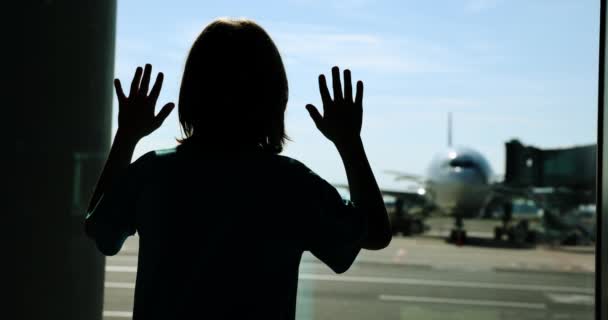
x,y
464,190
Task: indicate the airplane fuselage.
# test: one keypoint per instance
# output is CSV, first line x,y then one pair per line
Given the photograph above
x,y
458,182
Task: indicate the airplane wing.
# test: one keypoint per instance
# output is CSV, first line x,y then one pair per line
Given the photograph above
x,y
405,176
407,196
404,195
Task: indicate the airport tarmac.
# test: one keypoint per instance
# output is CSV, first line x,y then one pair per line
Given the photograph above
x,y
420,278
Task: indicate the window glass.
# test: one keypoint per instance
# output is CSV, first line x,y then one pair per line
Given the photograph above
x,y
503,92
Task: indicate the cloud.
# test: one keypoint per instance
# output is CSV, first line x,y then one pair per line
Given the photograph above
x,y
361,51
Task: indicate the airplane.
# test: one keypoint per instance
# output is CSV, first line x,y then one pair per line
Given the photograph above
x,y
460,182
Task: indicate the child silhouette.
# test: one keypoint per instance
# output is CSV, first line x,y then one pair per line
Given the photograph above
x,y
222,218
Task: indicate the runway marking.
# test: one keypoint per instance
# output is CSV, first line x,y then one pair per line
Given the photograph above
x,y
123,257
414,281
443,283
131,269
583,299
119,285
481,303
118,314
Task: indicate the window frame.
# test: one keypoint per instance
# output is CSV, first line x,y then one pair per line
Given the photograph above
x,y
601,258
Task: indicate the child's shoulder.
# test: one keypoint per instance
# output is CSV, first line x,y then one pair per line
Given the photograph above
x,y
295,166
290,162
154,157
156,154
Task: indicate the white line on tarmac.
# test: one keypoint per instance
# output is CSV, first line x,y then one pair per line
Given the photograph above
x,y
483,303
413,281
583,299
123,257
444,283
131,269
117,314
120,285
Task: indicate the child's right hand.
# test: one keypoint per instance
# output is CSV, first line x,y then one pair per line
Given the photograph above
x,y
136,118
342,117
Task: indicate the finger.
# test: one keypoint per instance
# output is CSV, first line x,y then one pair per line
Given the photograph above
x,y
156,88
335,74
135,82
317,118
163,114
119,93
145,80
325,97
359,94
348,87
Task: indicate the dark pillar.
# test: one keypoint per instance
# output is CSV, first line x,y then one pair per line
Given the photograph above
x,y
62,137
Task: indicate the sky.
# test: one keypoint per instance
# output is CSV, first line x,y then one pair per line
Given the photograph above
x,y
505,69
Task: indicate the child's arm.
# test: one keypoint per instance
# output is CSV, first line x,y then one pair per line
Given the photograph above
x,y
341,123
136,119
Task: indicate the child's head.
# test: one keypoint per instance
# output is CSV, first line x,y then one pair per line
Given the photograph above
x,y
234,88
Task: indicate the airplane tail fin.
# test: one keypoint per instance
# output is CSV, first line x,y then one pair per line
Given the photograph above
x,y
449,129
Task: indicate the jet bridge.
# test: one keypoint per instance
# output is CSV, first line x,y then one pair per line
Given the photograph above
x,y
567,172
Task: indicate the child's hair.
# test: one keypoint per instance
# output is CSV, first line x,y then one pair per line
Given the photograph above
x,y
234,88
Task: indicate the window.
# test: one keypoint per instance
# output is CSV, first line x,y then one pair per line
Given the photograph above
x,y
503,69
